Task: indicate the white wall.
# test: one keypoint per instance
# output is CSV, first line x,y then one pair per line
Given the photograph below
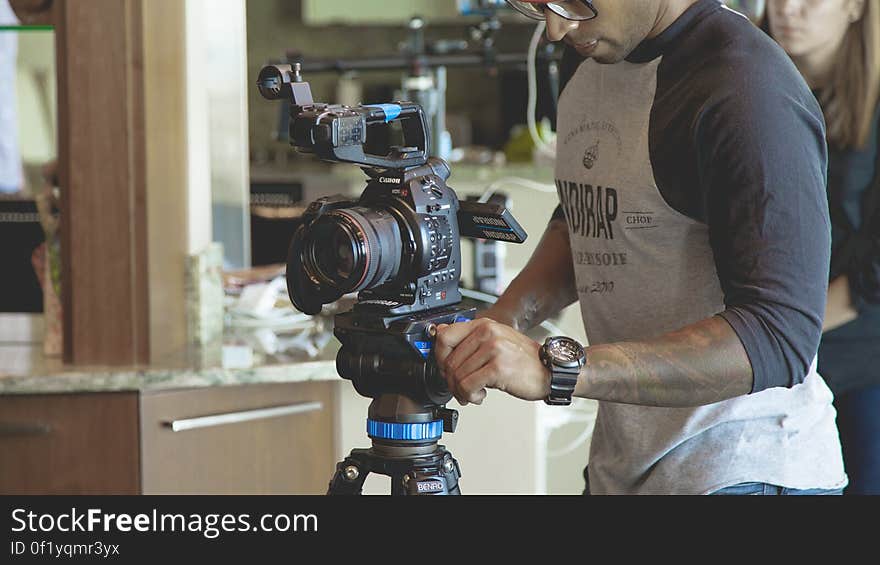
x,y
37,93
217,118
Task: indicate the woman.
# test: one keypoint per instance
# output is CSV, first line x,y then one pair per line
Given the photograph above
x,y
836,46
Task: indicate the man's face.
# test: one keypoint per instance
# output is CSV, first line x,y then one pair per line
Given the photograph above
x,y
619,28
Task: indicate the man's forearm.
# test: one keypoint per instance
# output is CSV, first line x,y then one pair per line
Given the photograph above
x,y
544,287
700,364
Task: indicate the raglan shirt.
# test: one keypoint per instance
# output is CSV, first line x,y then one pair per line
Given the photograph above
x,y
692,180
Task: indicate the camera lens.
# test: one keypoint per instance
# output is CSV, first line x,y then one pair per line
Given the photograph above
x,y
336,262
352,249
344,255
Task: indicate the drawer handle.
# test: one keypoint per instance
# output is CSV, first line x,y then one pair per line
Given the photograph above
x,y
16,430
243,416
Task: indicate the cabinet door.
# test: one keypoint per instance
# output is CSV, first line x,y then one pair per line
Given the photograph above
x,y
253,439
69,444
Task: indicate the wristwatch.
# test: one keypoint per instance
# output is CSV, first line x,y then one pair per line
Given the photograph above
x,y
564,357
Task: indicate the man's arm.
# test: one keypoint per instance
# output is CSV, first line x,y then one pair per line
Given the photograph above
x,y
543,288
699,364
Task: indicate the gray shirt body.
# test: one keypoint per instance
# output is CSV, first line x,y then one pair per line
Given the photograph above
x,y
645,267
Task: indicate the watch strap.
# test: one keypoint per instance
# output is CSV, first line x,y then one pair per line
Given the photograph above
x,y
562,379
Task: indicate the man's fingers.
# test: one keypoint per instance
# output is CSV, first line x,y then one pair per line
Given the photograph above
x,y
461,353
471,398
448,337
473,387
461,350
478,397
484,353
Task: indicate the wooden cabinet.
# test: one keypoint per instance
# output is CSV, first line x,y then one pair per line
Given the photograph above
x,y
252,439
242,440
69,444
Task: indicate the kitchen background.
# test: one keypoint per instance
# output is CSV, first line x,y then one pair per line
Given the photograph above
x,y
191,207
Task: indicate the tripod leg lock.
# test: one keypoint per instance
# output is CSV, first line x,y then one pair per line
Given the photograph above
x,y
348,479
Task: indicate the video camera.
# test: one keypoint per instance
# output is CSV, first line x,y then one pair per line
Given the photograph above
x,y
397,246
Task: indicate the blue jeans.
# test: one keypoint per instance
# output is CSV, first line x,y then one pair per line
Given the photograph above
x,y
745,488
765,489
858,419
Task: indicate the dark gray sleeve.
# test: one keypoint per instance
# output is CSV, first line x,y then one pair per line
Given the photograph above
x,y
762,161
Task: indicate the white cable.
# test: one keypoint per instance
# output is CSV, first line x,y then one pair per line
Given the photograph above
x,y
581,412
540,145
576,442
526,183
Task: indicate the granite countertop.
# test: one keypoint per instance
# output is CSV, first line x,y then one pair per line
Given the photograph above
x,y
24,369
306,353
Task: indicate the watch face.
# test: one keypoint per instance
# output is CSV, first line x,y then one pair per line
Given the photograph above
x,y
565,351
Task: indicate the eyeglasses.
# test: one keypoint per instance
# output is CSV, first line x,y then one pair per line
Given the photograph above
x,y
575,10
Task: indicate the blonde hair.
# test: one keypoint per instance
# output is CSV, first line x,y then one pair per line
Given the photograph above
x,y
850,99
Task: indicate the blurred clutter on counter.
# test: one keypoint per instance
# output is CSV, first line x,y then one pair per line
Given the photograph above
x,y
148,198
260,320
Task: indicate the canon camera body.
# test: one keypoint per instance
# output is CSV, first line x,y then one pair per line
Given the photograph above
x,y
398,245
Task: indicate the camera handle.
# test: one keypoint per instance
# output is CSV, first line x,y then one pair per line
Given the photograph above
x,y
337,133
341,132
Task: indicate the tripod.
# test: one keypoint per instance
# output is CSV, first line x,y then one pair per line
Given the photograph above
x,y
405,448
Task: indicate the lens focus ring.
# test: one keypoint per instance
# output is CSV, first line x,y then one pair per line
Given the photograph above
x,y
354,248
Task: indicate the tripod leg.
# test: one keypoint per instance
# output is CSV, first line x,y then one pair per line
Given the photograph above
x,y
451,474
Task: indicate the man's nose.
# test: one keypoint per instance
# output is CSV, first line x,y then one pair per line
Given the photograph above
x,y
557,26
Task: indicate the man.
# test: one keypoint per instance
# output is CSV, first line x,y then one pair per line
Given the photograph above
x,y
694,231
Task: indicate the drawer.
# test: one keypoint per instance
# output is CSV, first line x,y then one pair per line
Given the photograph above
x,y
252,439
69,444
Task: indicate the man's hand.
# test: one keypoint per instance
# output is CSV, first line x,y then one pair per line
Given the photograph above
x,y
481,354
